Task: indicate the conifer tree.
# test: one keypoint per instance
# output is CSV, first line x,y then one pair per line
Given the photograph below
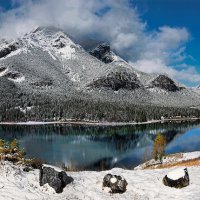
x,y
159,147
14,144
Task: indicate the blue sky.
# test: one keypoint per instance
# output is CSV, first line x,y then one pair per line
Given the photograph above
x,y
178,13
155,36
5,4
9,4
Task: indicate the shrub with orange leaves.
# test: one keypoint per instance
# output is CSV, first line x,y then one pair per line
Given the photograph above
x,y
159,147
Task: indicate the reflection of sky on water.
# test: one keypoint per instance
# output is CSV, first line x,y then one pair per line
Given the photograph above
x,y
189,141
89,147
134,157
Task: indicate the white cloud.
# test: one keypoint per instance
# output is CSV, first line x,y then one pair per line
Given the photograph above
x,y
121,25
164,48
166,41
185,73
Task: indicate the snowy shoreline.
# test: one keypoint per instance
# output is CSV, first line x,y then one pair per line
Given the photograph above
x,y
142,184
97,123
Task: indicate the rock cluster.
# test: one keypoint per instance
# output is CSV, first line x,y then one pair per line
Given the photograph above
x,y
117,184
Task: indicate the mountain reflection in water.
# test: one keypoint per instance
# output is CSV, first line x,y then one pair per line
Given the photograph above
x,y
98,148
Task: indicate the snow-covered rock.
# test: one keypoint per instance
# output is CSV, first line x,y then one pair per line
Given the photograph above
x,y
178,178
117,184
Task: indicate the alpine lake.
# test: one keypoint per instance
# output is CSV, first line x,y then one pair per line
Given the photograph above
x,y
88,147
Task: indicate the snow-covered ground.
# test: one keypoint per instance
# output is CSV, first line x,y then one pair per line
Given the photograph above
x,y
172,159
16,184
95,123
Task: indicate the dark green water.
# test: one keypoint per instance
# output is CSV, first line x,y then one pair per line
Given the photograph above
x,y
96,148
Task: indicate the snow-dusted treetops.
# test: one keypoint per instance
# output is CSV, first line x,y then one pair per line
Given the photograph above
x,y
46,75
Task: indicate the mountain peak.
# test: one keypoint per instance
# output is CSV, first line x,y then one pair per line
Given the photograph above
x,y
47,29
104,53
46,32
164,82
48,39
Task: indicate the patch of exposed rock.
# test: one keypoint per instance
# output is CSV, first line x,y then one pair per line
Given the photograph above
x,y
58,43
42,83
8,49
103,53
2,69
164,83
13,75
117,80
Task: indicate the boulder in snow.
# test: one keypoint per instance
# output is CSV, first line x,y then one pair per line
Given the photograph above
x,y
178,178
117,184
55,177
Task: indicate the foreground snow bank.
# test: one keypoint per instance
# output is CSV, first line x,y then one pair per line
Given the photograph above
x,y
142,185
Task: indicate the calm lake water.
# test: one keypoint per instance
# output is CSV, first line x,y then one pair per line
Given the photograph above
x,y
99,148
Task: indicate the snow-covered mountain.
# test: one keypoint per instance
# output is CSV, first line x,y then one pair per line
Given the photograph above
x,y
46,64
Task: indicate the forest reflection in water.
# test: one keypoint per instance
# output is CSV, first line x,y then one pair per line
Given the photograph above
x,y
101,147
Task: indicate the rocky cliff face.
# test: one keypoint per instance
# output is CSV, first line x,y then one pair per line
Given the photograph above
x,y
117,80
165,83
103,53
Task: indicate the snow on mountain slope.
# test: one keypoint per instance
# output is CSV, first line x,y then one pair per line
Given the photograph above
x,y
45,53
155,88
53,41
104,53
47,62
